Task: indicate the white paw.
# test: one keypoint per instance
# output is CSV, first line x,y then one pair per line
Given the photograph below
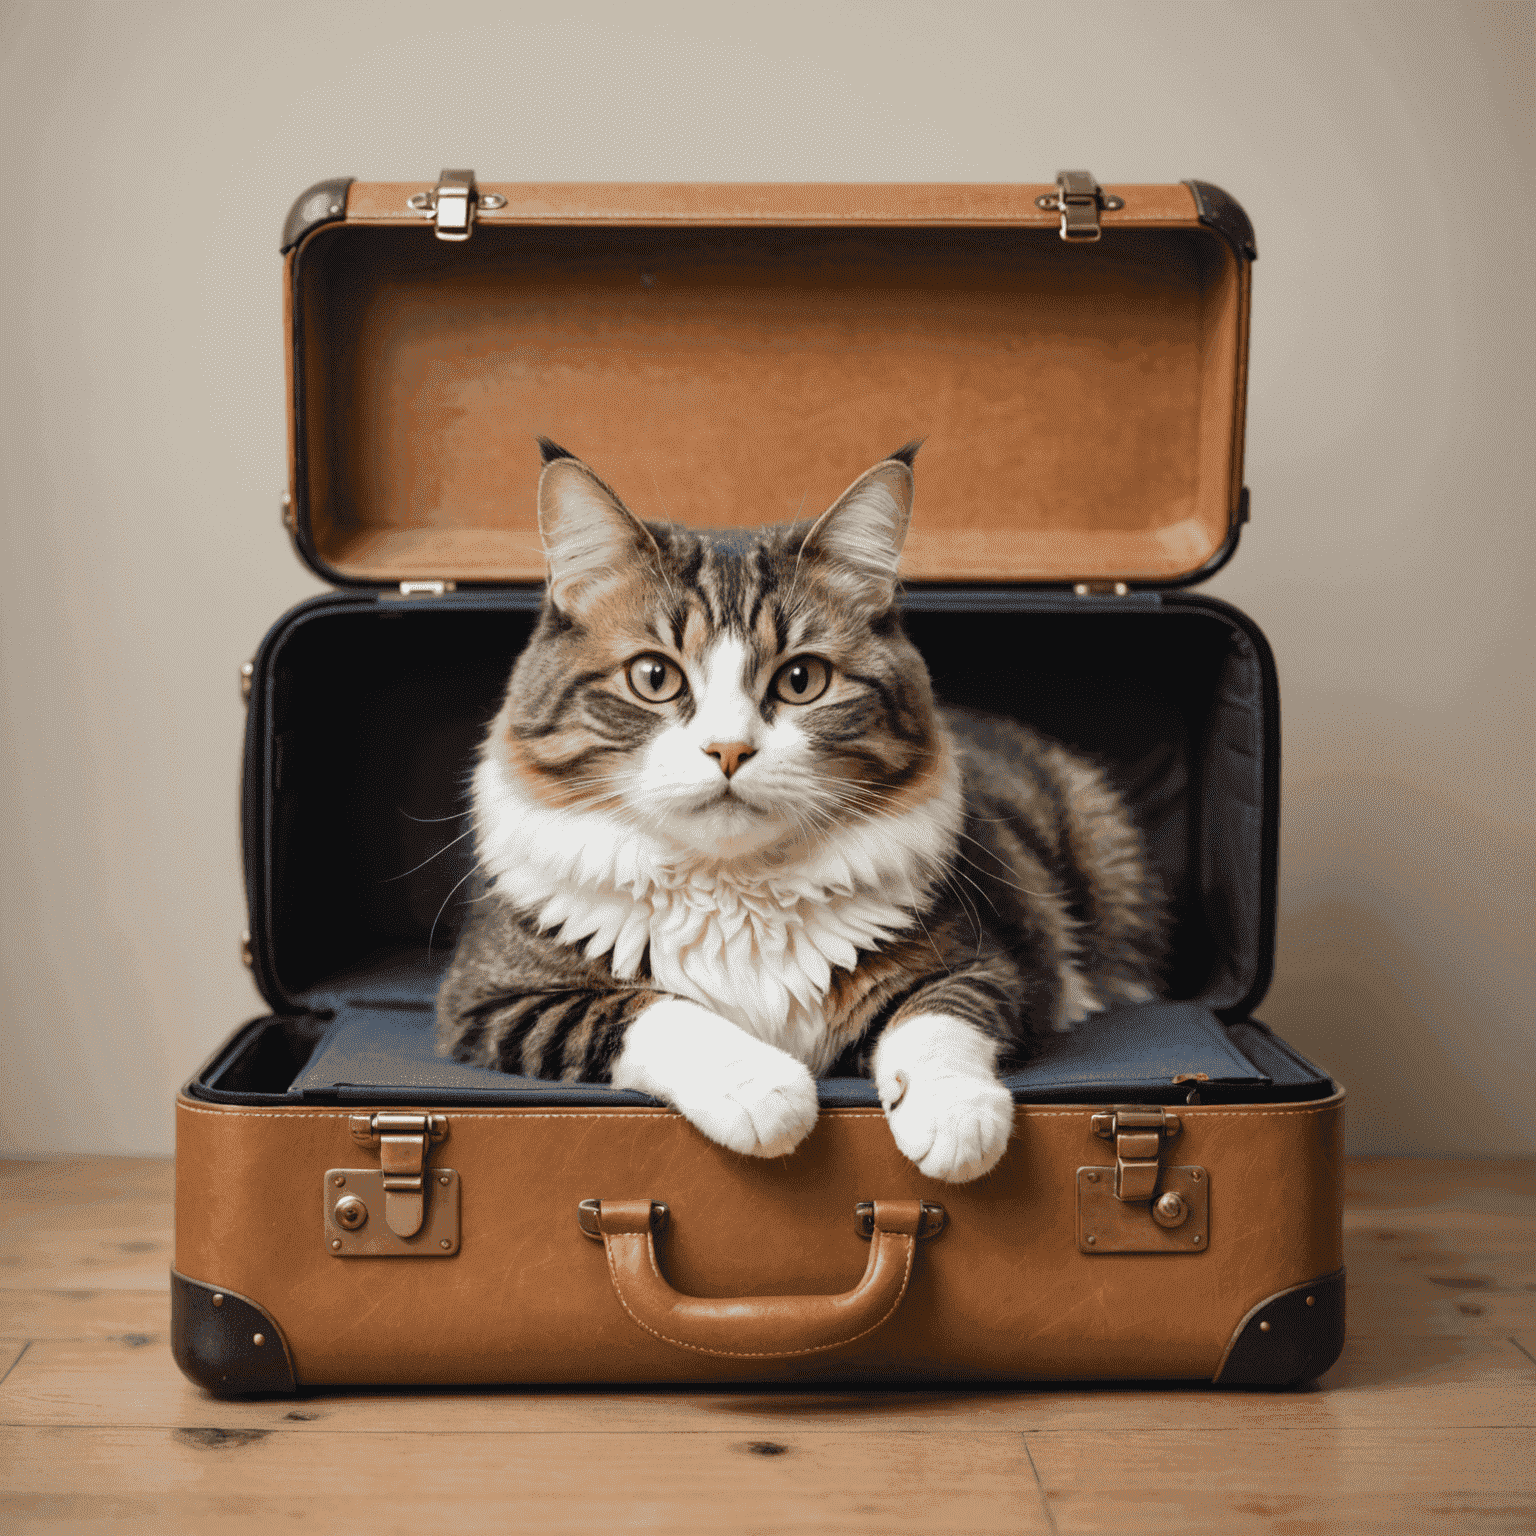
x,y
762,1103
748,1096
946,1109
953,1128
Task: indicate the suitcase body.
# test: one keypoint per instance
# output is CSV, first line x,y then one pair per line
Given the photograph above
x,y
352,1208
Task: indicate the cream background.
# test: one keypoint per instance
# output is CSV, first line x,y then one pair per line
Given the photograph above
x,y
1383,152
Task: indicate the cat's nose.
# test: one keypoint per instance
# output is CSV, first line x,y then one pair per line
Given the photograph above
x,y
730,754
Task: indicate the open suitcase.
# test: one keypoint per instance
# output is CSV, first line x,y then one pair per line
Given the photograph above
x,y
352,1208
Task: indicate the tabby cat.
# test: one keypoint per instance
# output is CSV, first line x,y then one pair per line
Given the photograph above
x,y
728,843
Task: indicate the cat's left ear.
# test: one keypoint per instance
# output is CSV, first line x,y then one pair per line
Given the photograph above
x,y
862,532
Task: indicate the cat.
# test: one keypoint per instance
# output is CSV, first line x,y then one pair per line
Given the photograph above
x,y
729,842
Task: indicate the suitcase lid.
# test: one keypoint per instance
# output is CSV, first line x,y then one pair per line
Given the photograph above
x,y
725,355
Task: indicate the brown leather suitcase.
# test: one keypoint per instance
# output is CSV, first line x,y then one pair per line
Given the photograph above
x,y
351,1208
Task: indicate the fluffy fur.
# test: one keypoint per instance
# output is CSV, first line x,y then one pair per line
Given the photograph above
x,y
729,842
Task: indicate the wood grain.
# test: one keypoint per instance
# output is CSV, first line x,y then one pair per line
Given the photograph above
x,y
200,1478
1424,1424
1395,1479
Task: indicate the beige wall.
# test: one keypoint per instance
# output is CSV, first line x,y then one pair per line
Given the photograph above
x,y
1383,152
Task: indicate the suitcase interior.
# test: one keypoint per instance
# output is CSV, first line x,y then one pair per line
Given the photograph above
x,y
1084,411
366,712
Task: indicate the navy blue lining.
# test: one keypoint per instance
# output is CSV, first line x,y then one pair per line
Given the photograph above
x,y
371,1049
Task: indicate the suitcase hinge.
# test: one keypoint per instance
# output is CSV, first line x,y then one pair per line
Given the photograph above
x,y
1139,1136
1079,199
452,204
402,1141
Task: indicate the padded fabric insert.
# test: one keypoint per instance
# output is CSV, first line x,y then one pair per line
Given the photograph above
x,y
369,1048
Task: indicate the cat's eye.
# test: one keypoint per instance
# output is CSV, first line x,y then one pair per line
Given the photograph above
x,y
655,679
801,680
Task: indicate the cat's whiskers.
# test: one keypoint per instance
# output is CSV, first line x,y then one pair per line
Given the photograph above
x,y
390,879
991,854
948,873
432,932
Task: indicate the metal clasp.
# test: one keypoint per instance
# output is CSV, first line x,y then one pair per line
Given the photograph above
x,y
1139,1136
402,1141
452,204
1079,199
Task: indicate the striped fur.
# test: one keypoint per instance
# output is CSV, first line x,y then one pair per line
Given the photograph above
x,y
855,880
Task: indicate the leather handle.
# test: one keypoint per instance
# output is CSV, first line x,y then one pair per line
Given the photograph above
x,y
758,1327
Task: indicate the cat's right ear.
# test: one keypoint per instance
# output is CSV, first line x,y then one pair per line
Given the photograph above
x,y
859,537
590,537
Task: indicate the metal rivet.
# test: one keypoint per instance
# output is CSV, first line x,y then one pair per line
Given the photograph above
x,y
218,1300
1194,1175
338,1181
1090,1238
258,1339
1196,1239
443,1179
335,1242
1170,1210
1263,1327
445,1243
1093,1178
1311,1301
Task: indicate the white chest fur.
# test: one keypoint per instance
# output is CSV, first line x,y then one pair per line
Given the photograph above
x,y
754,941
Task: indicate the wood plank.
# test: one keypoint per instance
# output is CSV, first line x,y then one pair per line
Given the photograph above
x,y
1392,1479
1450,1272
127,1258
1395,1459
217,1481
1159,1508
59,1181
85,1224
1501,1185
11,1350
1432,1382
83,1314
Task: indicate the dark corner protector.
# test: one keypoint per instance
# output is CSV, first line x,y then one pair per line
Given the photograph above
x,y
1225,215
1286,1340
323,203
215,1345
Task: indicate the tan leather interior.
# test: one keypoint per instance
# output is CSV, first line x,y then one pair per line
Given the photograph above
x,y
1004,1292
728,356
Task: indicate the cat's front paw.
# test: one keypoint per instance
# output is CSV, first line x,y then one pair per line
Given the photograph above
x,y
740,1092
953,1128
763,1103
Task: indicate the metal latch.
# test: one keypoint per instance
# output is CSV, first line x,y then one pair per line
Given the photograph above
x,y
1142,1205
1138,1135
1079,199
418,1203
452,204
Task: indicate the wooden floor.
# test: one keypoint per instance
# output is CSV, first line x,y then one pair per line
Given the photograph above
x,y
1428,1423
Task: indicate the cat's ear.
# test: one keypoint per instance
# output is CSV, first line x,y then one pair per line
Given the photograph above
x,y
591,539
860,535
